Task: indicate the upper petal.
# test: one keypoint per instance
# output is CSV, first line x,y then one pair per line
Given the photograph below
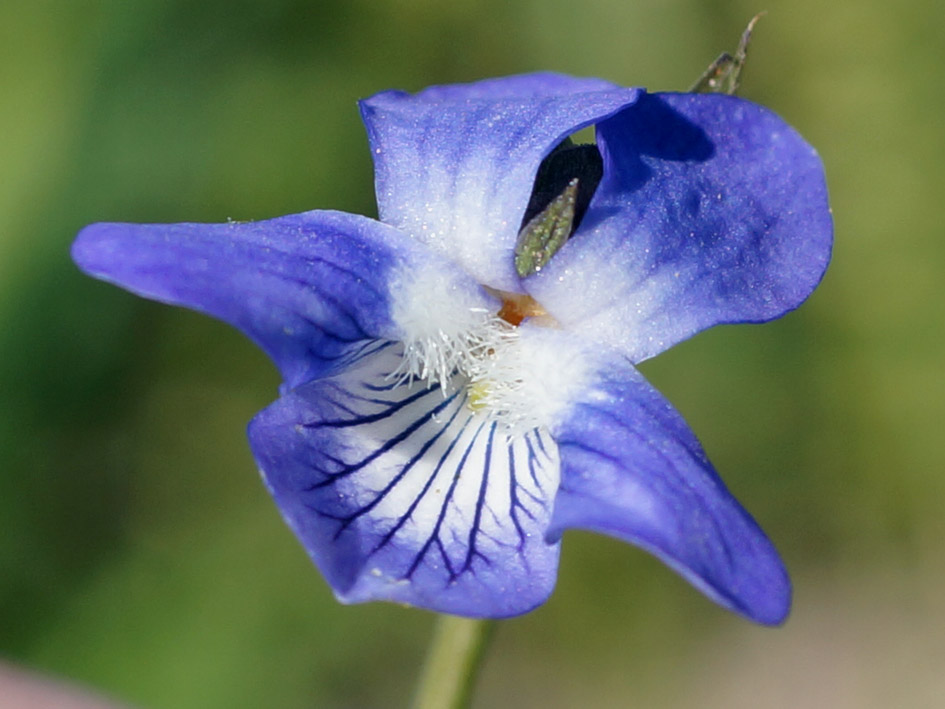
x,y
310,289
632,468
454,165
711,210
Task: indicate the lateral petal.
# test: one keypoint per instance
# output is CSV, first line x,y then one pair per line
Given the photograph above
x,y
310,289
404,493
631,468
711,210
454,165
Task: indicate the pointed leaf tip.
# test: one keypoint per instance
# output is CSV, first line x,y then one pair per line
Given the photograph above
x,y
547,231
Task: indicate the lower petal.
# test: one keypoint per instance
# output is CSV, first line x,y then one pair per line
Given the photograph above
x,y
631,468
402,492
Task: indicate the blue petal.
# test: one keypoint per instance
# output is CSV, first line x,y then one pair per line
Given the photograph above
x,y
403,493
311,289
454,165
632,468
711,210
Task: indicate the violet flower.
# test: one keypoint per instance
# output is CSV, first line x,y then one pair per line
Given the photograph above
x,y
443,416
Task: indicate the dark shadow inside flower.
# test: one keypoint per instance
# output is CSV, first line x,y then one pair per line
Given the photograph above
x,y
657,130
653,135
568,160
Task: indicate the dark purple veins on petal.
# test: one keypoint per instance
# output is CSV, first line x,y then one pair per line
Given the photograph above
x,y
404,492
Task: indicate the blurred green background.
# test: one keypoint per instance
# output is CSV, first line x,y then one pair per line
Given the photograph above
x,y
140,554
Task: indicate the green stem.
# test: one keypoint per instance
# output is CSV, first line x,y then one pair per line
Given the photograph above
x,y
452,663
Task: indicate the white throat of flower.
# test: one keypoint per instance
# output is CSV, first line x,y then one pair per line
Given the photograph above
x,y
455,339
436,357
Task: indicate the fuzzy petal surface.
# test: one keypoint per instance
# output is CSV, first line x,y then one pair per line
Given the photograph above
x,y
631,468
310,289
454,165
404,493
711,210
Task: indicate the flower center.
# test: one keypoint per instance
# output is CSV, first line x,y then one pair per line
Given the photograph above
x,y
484,356
496,372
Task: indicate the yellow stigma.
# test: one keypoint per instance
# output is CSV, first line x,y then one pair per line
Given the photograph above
x,y
477,394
